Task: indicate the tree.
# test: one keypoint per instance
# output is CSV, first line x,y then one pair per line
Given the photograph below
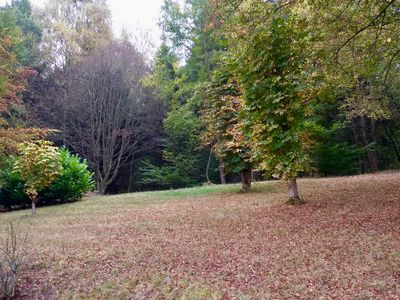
x,y
280,80
188,40
165,77
181,154
223,117
358,37
361,60
31,33
39,165
177,27
12,75
183,130
72,29
13,79
110,116
11,137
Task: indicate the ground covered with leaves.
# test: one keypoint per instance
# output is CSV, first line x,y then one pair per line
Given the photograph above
x,y
344,243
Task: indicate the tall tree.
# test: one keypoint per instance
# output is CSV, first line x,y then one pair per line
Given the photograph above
x,y
12,75
361,58
280,78
72,29
110,115
185,62
351,44
30,30
223,116
13,78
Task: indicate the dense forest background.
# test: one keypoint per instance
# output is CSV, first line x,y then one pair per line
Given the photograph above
x,y
289,88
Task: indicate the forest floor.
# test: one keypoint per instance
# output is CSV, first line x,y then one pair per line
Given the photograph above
x,y
215,243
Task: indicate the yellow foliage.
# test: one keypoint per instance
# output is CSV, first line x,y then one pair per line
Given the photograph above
x,y
39,165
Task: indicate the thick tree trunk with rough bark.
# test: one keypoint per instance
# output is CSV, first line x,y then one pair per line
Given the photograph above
x,y
222,172
101,187
293,192
245,176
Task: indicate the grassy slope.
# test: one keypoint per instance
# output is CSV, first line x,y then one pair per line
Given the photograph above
x,y
213,242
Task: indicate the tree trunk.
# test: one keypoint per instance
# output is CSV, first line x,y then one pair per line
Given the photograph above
x,y
293,192
222,172
360,166
208,166
33,207
130,176
371,154
101,187
245,176
374,155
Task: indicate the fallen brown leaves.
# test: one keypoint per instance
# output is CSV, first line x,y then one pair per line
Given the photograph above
x,y
344,243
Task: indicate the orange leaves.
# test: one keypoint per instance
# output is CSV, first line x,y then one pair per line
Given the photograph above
x,y
225,125
10,138
342,244
12,75
15,84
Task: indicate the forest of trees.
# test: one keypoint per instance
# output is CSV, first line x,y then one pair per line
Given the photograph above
x,y
289,88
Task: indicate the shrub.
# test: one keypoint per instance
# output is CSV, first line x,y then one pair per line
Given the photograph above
x,y
74,181
11,260
165,176
11,186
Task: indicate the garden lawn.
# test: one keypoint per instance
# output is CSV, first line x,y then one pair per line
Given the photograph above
x,y
212,242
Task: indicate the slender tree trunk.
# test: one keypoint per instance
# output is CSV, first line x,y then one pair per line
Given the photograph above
x,y
34,207
374,155
222,172
208,167
245,176
360,169
293,192
130,176
372,160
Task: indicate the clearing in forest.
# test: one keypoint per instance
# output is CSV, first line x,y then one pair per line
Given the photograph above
x,y
212,242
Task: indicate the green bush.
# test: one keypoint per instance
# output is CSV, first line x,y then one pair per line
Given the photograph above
x,y
166,176
11,186
12,256
74,181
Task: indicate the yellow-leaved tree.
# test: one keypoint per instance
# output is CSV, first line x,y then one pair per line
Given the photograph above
x,y
39,165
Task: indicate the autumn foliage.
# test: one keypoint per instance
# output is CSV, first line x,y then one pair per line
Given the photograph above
x,y
13,81
39,165
342,244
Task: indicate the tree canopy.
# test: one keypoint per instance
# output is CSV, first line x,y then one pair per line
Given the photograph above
x,y
284,88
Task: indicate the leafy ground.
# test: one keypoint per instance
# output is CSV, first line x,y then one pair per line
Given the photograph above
x,y
212,242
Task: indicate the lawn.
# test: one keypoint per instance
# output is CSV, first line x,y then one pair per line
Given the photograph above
x,y
215,243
